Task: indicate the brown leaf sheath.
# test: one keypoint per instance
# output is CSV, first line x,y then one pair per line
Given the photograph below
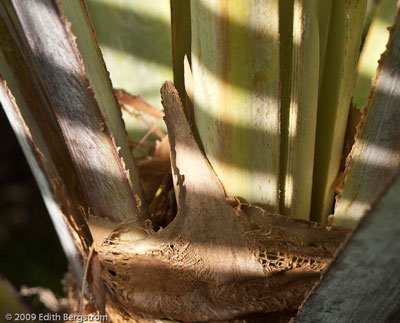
x,y
214,261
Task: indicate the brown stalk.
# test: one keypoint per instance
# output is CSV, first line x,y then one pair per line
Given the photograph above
x,y
31,117
86,131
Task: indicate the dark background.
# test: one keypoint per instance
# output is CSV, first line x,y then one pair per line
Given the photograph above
x,y
30,252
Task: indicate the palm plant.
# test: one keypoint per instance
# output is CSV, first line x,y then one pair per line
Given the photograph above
x,y
255,151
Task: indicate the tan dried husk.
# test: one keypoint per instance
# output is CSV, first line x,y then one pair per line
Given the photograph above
x,y
217,259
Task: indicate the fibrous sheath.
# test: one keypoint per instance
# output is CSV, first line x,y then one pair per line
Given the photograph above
x,y
270,262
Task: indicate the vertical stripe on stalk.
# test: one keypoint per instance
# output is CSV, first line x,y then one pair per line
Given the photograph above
x,y
286,51
297,187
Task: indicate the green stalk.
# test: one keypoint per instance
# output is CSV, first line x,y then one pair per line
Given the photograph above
x,y
334,100
181,42
374,45
324,18
302,115
235,61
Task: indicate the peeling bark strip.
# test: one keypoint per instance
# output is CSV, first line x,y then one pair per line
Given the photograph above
x,y
362,285
375,157
214,261
137,103
91,135
204,216
27,109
